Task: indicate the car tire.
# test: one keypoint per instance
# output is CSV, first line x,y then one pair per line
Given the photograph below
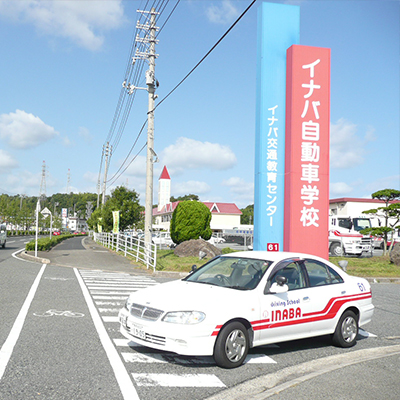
x,y
346,330
231,346
336,250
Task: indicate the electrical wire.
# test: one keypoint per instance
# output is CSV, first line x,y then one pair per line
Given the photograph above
x,y
114,178
208,53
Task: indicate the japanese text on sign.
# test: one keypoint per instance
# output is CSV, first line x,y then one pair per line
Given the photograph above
x,y
272,165
310,150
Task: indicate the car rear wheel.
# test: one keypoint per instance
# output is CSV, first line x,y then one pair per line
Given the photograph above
x,y
346,330
231,346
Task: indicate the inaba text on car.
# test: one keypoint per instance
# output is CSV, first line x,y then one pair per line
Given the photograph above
x,y
246,299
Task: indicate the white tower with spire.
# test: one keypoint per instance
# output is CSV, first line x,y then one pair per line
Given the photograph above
x,y
164,189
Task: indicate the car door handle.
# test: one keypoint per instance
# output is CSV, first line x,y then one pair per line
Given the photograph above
x,y
306,298
343,292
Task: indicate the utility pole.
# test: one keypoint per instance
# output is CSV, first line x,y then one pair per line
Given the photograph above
x,y
42,194
149,40
107,154
68,180
150,82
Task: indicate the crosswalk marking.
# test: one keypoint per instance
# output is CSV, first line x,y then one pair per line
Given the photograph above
x,y
172,380
143,358
110,319
109,292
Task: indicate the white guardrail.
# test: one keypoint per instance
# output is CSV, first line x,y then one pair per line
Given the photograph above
x,y
128,245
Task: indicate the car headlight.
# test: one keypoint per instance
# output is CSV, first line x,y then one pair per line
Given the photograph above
x,y
128,303
184,317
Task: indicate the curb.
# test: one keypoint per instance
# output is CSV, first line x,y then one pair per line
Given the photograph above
x,y
28,257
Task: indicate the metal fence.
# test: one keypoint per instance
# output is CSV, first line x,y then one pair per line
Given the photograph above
x,y
128,245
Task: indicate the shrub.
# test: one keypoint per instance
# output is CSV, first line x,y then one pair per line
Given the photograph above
x,y
44,244
190,220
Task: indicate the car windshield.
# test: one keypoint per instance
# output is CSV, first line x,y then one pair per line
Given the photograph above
x,y
233,272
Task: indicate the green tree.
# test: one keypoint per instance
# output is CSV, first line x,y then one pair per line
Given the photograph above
x,y
127,203
247,217
390,211
193,197
190,220
93,220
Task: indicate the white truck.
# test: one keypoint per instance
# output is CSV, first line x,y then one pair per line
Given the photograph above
x,y
345,236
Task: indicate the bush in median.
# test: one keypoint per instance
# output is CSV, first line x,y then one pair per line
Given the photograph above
x,y
45,244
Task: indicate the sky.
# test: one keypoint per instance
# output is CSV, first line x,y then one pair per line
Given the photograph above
x,y
63,64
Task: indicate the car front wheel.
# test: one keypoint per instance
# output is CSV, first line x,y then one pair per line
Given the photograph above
x,y
231,346
336,250
346,330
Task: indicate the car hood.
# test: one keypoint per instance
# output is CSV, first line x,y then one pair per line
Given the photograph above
x,y
185,296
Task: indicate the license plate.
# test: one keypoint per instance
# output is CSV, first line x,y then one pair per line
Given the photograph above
x,y
367,247
139,333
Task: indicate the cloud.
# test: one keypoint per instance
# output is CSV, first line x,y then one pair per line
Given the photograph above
x,y
192,154
188,187
79,21
224,13
7,161
239,185
137,168
85,134
347,148
339,189
243,192
22,130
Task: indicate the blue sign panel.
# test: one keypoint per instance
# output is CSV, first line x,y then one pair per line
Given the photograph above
x,y
278,29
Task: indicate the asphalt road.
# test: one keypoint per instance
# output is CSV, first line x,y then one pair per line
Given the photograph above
x,y
68,345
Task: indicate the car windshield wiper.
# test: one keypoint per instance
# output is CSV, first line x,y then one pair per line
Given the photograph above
x,y
238,287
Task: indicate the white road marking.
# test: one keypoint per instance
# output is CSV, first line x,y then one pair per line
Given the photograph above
x,y
124,381
8,346
143,358
111,297
111,310
259,359
110,319
125,343
171,380
110,303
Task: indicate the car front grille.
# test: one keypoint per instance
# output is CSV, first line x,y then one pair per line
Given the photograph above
x,y
143,312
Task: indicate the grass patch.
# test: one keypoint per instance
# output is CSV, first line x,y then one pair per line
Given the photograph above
x,y
379,267
168,261
370,267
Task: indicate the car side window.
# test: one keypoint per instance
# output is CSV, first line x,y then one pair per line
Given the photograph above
x,y
294,275
320,274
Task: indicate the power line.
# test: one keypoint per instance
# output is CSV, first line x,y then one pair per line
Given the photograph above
x,y
173,90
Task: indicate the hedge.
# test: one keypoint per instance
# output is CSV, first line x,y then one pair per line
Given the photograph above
x,y
44,244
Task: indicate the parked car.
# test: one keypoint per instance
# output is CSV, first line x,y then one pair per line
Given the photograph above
x,y
246,299
56,233
162,238
215,239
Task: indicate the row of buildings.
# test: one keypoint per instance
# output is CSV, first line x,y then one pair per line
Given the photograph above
x,y
226,216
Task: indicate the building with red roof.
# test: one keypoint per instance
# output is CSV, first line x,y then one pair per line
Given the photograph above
x,y
223,215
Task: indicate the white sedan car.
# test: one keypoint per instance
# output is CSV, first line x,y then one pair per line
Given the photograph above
x,y
241,300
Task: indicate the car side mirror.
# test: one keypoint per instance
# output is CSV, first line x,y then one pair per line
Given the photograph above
x,y
275,288
280,286
194,267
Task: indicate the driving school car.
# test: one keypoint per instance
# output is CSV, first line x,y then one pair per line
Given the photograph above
x,y
246,299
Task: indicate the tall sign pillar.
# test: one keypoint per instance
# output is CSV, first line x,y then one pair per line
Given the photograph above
x,y
278,29
307,150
